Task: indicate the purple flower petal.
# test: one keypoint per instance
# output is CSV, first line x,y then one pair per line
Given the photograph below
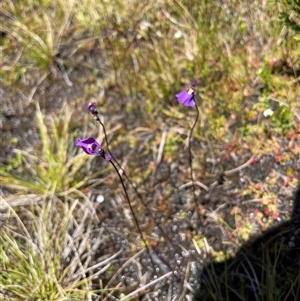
x,y
90,146
93,148
186,97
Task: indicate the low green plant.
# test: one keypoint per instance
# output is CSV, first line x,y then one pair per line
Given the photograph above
x,y
41,34
291,15
53,164
45,257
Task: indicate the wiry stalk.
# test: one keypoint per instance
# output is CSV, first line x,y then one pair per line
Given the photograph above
x,y
190,154
130,206
96,117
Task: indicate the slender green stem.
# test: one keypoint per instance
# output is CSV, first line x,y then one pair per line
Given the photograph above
x,y
130,206
190,154
130,182
119,165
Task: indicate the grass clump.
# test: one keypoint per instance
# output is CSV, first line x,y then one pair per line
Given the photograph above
x,y
291,15
40,32
51,164
45,250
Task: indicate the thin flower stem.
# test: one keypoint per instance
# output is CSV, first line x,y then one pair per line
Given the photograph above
x,y
96,117
151,255
119,165
131,209
130,182
190,153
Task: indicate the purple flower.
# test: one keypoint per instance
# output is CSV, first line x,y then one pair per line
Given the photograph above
x,y
92,107
186,97
92,147
93,110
